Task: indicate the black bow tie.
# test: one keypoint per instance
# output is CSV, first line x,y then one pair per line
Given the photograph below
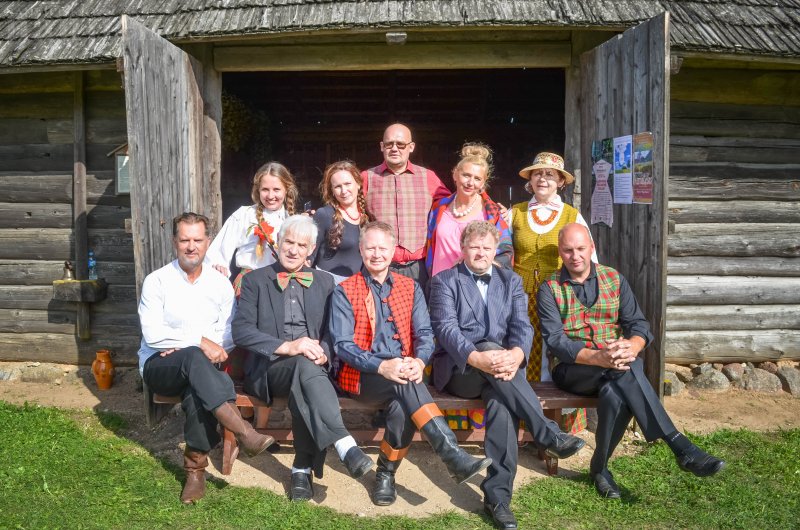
x,y
482,278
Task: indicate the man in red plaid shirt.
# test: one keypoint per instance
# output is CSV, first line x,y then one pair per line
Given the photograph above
x,y
401,194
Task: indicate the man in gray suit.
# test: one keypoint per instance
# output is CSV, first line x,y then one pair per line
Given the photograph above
x,y
480,318
282,319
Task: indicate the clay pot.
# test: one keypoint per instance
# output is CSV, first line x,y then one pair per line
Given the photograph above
x,y
103,369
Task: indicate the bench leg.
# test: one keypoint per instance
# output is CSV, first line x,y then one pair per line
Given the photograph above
x,y
262,417
550,462
229,451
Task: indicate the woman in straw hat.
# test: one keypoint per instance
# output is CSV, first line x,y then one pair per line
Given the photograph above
x,y
535,225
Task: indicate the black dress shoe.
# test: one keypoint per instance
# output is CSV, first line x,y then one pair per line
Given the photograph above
x,y
605,485
565,446
700,463
357,463
501,515
301,489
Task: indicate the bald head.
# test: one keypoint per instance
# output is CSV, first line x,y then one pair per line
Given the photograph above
x,y
575,247
397,146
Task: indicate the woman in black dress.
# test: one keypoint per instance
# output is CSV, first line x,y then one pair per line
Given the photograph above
x,y
340,221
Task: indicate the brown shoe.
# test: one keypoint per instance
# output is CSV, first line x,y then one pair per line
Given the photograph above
x,y
248,438
195,463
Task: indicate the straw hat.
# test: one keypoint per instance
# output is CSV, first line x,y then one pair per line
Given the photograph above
x,y
547,160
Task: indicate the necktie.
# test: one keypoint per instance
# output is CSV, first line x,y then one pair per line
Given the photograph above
x,y
303,278
482,278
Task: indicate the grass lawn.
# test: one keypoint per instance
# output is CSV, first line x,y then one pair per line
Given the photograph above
x,y
65,469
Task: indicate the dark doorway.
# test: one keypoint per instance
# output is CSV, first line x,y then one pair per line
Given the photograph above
x,y
314,118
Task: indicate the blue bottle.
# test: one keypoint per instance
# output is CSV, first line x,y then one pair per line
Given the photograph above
x,y
92,266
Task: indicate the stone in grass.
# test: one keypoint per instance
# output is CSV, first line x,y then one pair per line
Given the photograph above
x,y
734,372
41,374
702,368
790,380
710,381
759,380
672,384
769,367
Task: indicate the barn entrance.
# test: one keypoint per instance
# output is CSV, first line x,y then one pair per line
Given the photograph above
x,y
306,120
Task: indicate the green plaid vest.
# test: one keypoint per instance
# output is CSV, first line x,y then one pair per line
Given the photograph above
x,y
595,326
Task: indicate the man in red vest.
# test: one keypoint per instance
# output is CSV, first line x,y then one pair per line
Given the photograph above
x,y
400,193
595,330
382,341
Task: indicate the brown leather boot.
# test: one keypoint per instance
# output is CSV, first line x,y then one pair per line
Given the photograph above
x,y
248,438
195,463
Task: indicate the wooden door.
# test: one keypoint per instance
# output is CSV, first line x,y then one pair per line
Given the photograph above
x,y
169,141
625,90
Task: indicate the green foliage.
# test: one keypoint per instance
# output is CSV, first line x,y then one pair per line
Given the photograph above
x,y
70,470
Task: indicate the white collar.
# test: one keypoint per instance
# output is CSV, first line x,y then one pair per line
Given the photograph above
x,y
554,204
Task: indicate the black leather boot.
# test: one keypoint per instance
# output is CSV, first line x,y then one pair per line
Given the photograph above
x,y
461,465
384,492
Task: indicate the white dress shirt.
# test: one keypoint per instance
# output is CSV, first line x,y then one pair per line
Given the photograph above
x,y
175,313
237,236
483,287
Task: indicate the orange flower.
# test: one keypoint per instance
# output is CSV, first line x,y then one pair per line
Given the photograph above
x,y
263,231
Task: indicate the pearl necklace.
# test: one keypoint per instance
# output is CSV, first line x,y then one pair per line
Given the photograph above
x,y
466,211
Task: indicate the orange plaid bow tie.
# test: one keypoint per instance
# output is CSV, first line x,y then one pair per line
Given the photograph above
x,y
303,278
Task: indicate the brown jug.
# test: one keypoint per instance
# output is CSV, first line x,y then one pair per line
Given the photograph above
x,y
103,369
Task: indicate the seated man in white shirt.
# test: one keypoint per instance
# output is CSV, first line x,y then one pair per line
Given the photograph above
x,y
185,312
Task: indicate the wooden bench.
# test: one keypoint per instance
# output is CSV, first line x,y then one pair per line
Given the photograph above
x,y
552,398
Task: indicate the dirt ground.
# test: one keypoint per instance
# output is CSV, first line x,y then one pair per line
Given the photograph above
x,y
423,484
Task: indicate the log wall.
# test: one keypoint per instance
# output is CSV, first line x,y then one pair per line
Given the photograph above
x,y
36,217
733,268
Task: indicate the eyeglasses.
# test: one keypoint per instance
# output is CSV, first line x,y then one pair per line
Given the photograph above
x,y
400,145
536,175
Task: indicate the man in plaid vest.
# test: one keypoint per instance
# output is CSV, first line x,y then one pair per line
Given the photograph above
x,y
382,341
479,313
595,330
400,193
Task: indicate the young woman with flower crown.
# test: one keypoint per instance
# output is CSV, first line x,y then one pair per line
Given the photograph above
x,y
250,231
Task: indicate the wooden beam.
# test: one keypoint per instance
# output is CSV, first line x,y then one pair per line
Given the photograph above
x,y
60,348
411,56
732,317
730,266
730,290
683,347
747,188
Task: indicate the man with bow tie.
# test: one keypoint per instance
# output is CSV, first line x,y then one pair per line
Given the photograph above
x,y
282,319
383,340
479,316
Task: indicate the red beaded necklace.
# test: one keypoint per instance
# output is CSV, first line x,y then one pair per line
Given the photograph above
x,y
354,219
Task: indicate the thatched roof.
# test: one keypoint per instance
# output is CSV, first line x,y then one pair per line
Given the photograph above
x,y
87,31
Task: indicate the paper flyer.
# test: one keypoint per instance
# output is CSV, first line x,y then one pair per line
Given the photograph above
x,y
623,169
602,182
643,168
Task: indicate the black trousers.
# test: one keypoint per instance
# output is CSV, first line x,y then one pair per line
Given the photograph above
x,y
622,394
415,270
506,403
189,373
399,403
316,418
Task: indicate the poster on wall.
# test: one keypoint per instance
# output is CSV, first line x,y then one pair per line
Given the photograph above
x,y
623,169
602,182
643,168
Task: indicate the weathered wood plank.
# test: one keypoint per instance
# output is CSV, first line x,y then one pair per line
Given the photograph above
x,y
28,272
25,131
746,87
50,82
57,188
709,265
412,55
47,321
778,245
754,121
724,170
733,317
41,106
765,230
683,347
734,188
66,349
701,149
727,290
734,211
33,215
121,298
56,244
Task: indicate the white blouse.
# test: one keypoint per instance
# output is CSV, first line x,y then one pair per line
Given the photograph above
x,y
237,236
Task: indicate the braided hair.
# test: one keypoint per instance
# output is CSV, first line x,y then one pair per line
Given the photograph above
x,y
280,172
334,235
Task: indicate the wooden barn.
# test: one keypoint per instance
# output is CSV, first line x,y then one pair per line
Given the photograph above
x,y
115,116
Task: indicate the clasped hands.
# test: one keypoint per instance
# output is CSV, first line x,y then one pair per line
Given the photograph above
x,y
402,369
213,351
619,354
502,364
305,346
